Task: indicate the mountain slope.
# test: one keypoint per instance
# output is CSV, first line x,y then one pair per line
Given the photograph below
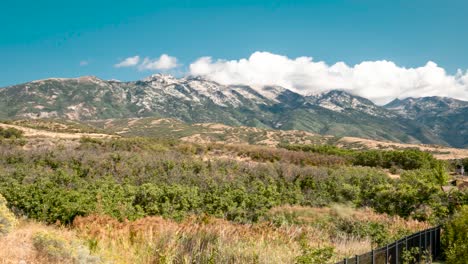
x,y
342,114
197,100
445,117
87,98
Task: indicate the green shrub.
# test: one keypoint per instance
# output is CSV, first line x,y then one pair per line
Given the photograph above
x,y
322,149
52,246
455,238
377,232
409,159
10,133
133,178
409,256
7,219
316,255
56,248
405,159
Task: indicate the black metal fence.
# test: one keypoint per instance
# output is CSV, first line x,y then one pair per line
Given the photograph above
x,y
423,246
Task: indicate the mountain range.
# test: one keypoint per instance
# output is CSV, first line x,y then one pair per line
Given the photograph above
x,y
428,120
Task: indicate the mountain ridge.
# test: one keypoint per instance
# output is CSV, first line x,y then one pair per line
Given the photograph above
x,y
194,99
441,115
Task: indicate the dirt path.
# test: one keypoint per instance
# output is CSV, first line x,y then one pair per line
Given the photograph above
x,y
31,132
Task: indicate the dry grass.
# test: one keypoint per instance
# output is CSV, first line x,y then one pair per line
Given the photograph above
x,y
322,224
210,240
203,239
17,246
195,240
31,132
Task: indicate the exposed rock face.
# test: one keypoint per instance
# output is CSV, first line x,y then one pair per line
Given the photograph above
x,y
196,100
445,117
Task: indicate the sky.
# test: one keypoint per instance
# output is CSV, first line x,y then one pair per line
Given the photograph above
x,y
376,49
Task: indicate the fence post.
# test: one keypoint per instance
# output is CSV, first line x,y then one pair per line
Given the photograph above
x,y
396,252
357,259
425,240
432,242
435,243
386,254
372,256
433,248
345,261
420,246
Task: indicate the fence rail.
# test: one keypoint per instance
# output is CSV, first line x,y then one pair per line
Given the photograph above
x,y
424,245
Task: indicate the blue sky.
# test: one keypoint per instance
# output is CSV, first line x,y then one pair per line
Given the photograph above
x,y
50,38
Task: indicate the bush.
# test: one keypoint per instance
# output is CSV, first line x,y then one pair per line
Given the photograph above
x,y
55,248
410,256
408,159
311,255
133,178
52,246
10,133
404,159
7,219
377,232
455,238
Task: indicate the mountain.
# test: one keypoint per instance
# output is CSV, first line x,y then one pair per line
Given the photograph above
x,y
86,98
445,117
198,100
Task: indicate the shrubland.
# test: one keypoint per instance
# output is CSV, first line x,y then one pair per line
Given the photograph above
x,y
456,237
407,159
163,201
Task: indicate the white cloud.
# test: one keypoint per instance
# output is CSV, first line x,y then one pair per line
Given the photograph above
x,y
128,62
84,63
380,81
164,62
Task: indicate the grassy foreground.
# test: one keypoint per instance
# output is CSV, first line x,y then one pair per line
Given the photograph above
x,y
289,234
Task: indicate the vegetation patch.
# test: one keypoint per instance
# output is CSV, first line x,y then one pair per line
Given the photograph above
x,y
456,237
10,133
7,219
165,201
52,246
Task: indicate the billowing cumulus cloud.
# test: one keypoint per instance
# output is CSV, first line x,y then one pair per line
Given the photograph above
x,y
128,62
164,62
380,81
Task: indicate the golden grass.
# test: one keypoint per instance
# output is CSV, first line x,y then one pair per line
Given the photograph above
x,y
210,240
196,239
17,246
204,239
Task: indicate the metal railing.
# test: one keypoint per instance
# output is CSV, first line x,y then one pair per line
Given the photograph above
x,y
423,246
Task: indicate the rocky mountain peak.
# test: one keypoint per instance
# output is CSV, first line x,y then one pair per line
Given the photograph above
x,y
196,99
161,78
411,107
341,101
